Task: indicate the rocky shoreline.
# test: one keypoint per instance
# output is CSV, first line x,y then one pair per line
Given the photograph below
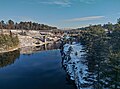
x,y
73,63
19,47
13,49
28,41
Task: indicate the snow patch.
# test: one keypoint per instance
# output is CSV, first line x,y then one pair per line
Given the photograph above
x,y
73,63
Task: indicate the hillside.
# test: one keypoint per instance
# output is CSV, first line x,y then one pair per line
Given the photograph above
x,y
8,42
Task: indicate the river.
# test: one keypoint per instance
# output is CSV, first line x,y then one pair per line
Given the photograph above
x,y
39,70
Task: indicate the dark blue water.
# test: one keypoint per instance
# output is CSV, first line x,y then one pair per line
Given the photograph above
x,y
41,70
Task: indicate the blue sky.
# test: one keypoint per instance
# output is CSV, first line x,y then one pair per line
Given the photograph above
x,y
61,13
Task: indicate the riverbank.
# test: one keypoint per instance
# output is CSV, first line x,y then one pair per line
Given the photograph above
x,y
26,48
74,64
8,42
10,50
27,41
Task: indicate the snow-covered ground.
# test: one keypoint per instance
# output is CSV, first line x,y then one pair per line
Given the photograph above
x,y
74,63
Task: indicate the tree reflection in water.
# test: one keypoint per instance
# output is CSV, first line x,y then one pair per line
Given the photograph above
x,y
8,58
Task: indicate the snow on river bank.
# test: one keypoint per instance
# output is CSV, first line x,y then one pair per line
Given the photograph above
x,y
74,63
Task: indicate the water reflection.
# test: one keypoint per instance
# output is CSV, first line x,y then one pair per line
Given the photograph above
x,y
8,58
30,50
41,70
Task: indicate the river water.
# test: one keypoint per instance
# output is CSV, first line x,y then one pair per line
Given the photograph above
x,y
37,70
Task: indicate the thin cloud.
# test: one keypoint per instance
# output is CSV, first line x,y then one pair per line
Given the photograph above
x,y
84,19
88,1
64,3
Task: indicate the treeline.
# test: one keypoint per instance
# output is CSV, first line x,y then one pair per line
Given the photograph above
x,y
108,26
24,25
8,42
102,56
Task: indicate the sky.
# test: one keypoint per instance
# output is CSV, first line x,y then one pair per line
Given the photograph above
x,y
61,13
